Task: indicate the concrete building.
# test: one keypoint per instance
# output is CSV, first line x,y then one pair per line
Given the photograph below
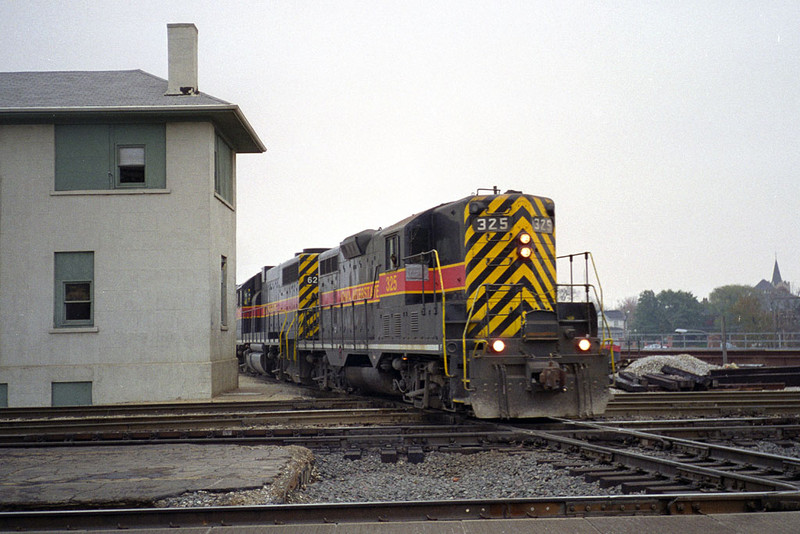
x,y
118,234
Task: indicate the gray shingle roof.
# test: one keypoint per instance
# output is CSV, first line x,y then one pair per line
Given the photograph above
x,y
36,97
82,89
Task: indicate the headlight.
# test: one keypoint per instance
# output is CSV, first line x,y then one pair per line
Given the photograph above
x,y
584,344
524,248
498,345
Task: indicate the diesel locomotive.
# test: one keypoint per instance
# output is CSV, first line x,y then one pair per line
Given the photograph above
x,y
454,308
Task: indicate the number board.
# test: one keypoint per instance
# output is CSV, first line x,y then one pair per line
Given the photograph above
x,y
543,225
491,224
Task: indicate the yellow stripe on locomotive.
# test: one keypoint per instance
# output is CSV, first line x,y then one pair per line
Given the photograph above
x,y
510,262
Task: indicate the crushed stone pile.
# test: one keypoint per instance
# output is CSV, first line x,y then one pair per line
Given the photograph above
x,y
685,362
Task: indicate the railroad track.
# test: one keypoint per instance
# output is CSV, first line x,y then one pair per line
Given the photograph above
x,y
782,430
650,458
690,465
652,462
308,516
704,403
196,421
225,407
411,440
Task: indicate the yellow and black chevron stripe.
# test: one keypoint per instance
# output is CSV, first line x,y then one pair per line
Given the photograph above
x,y
308,297
500,285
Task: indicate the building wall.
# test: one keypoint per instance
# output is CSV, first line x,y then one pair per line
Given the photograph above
x,y
223,240
156,333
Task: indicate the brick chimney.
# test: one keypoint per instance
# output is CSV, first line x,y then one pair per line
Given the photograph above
x,y
182,59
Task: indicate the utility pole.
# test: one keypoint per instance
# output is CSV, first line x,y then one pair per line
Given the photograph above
x,y
724,343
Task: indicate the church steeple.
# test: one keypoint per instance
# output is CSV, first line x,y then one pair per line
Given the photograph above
x,y
776,275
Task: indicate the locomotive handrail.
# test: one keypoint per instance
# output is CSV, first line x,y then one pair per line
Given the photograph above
x,y
465,379
255,297
441,289
288,330
444,333
280,336
606,330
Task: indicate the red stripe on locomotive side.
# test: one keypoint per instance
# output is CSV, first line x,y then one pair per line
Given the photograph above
x,y
394,283
271,308
389,284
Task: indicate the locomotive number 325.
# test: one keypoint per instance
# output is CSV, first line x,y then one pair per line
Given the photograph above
x,y
491,224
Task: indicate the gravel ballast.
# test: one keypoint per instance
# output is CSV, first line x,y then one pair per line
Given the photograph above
x,y
483,475
441,476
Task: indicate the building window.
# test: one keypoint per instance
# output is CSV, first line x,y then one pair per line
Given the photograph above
x,y
130,165
223,298
77,301
223,170
3,395
109,156
71,394
74,292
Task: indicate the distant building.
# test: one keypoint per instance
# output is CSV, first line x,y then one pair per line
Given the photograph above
x,y
118,234
617,323
779,300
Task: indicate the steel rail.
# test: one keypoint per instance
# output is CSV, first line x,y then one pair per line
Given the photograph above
x,y
704,403
722,479
770,428
401,439
691,396
191,407
401,512
783,464
211,421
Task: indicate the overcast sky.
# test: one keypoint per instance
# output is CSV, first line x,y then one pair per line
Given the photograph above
x,y
668,133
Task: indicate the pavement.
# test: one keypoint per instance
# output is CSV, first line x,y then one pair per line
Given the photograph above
x,y
103,476
136,475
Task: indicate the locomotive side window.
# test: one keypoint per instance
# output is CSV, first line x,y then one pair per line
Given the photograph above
x,y
329,265
290,274
392,252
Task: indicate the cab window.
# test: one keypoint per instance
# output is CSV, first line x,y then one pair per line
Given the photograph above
x,y
392,253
